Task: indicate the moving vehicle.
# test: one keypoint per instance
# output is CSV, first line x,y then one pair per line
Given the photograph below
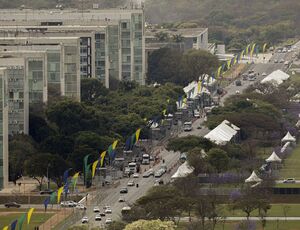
x,y
80,206
148,173
237,92
96,209
130,183
132,167
136,175
145,159
275,61
159,173
68,204
102,214
85,220
108,221
98,217
187,126
238,83
263,74
108,211
196,114
289,180
123,190
12,205
121,199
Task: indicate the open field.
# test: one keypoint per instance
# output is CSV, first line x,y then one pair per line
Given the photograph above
x,y
291,167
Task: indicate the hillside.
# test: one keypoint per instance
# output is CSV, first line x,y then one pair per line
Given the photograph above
x,y
231,21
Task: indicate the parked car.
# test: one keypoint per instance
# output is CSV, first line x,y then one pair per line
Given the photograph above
x,y
85,220
289,180
108,221
12,205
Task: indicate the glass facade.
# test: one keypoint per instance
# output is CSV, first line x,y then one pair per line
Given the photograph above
x,y
113,50
53,71
125,49
100,56
35,80
85,57
70,70
1,129
16,99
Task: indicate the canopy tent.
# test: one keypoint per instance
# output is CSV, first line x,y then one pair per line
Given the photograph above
x,y
273,158
183,171
277,77
191,90
298,124
253,178
223,133
285,146
288,137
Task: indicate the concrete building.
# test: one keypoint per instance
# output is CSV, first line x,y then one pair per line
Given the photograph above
x,y
112,42
3,129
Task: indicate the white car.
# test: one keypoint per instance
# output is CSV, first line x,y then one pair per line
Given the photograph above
x,y
136,175
237,92
108,211
289,180
121,199
98,217
85,220
80,206
96,209
263,74
130,183
108,221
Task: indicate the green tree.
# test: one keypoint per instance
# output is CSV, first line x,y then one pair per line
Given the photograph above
x,y
198,161
91,89
58,144
185,144
218,159
150,224
162,36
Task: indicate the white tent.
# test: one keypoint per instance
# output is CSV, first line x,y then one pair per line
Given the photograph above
x,y
276,77
288,137
223,133
285,146
183,171
273,158
253,178
298,124
191,90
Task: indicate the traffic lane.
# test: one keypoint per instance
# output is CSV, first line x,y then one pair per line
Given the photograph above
x,y
195,131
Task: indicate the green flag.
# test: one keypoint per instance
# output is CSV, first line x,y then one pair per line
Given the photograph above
x,y
85,160
21,220
53,197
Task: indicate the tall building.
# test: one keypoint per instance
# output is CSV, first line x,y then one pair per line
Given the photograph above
x,y
112,41
3,129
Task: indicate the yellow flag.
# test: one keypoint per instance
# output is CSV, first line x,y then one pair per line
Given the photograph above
x,y
264,47
184,101
75,176
228,64
247,49
252,50
59,192
29,214
114,145
164,112
219,71
5,228
137,134
242,53
234,61
94,168
102,156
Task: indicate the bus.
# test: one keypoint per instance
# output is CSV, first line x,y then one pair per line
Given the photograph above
x,y
187,126
146,159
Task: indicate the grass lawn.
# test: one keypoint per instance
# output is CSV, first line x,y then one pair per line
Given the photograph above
x,y
36,219
289,185
291,167
271,225
276,210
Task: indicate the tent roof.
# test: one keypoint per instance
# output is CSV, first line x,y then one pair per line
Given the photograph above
x,y
191,90
273,158
276,77
288,137
285,146
253,178
183,170
223,133
298,124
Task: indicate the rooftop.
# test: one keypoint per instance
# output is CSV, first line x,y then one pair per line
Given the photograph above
x,y
187,32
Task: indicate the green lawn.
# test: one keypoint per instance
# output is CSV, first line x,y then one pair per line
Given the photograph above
x,y
290,185
291,167
271,225
36,219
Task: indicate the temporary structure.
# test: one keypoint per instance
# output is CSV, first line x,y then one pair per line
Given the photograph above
x,y
183,171
277,77
253,178
288,137
223,133
285,146
273,158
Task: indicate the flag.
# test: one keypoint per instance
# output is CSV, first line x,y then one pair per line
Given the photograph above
x,y
133,140
202,83
199,86
52,197
66,187
29,214
228,64
102,156
168,100
247,49
13,225
137,134
128,144
232,61
242,53
21,220
223,67
46,202
66,175
184,101
256,50
85,161
219,71
94,166
5,228
212,76
110,150
252,49
59,192
264,47
114,145
74,180
164,112
235,60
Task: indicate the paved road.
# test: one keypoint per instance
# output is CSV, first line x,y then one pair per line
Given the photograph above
x,y
239,218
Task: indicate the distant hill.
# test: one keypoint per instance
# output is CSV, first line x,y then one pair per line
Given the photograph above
x,y
231,21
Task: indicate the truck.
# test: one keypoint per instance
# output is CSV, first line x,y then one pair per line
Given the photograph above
x,y
146,159
187,126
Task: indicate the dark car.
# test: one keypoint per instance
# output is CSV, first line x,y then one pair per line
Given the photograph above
x,y
124,190
46,192
12,205
238,83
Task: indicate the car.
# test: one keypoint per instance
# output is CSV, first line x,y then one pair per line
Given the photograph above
x,y
46,192
121,199
289,180
135,175
108,211
12,205
130,183
80,206
281,61
245,77
123,190
263,74
98,217
85,220
237,92
238,83
196,114
275,61
96,209
108,221
106,207
102,214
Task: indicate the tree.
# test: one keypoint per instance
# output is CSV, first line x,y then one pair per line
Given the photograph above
x,y
197,160
162,36
185,144
218,159
91,89
58,144
39,130
177,38
150,224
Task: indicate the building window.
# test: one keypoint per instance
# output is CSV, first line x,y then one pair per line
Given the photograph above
x,y
124,25
201,38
